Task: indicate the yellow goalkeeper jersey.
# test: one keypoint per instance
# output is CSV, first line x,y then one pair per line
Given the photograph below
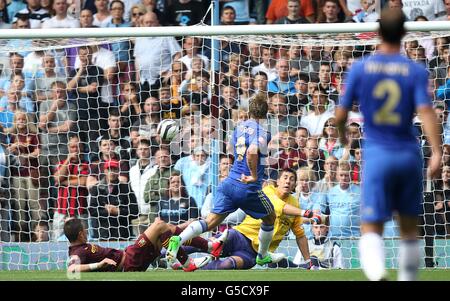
x,y
250,226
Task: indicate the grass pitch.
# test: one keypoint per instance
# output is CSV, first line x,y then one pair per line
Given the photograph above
x,y
248,275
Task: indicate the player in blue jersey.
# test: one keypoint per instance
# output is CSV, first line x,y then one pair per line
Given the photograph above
x,y
390,89
242,188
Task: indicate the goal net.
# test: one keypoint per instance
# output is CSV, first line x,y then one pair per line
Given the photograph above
x,y
79,137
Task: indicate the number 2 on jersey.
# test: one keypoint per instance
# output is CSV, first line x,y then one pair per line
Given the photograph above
x,y
386,115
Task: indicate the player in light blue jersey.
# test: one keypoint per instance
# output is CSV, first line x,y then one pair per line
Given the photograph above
x,y
242,189
390,89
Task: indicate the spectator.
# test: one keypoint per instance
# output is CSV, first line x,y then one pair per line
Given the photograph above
x,y
118,134
153,56
107,147
84,85
308,198
446,16
145,127
268,64
329,143
191,46
129,108
253,58
16,64
178,207
283,84
70,179
121,50
43,83
279,120
155,6
103,15
236,12
342,204
366,12
157,185
355,152
184,13
442,203
112,205
57,119
293,14
314,157
330,12
196,174
260,82
315,120
329,180
432,10
139,176
279,9
61,19
16,90
325,253
301,137
245,82
230,78
105,60
41,232
36,14
24,173
300,98
137,11
228,16
325,82
438,64
86,19
13,7
285,155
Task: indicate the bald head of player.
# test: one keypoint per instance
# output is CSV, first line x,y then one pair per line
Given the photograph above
x,y
392,28
258,107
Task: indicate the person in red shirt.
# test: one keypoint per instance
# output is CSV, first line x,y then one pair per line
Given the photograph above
x,y
278,9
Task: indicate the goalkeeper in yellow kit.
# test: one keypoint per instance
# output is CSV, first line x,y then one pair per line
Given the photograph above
x,y
241,243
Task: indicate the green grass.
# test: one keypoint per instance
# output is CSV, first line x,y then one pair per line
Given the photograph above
x,y
250,275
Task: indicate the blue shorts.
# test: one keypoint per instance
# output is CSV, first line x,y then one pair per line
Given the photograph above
x,y
232,195
391,181
239,245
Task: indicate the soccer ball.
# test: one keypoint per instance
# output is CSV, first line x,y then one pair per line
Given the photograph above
x,y
168,129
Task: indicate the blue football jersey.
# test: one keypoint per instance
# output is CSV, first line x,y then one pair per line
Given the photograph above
x,y
245,134
388,89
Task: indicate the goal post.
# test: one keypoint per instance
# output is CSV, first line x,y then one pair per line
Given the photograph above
x,y
91,150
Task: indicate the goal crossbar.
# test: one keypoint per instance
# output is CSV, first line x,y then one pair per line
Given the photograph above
x,y
199,30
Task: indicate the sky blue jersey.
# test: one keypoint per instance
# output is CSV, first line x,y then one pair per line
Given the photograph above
x,y
388,89
245,134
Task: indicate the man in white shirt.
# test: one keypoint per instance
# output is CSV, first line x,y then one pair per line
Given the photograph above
x,y
35,12
61,19
152,57
268,65
315,120
139,175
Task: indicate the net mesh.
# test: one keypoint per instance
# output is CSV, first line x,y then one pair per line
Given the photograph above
x,y
79,119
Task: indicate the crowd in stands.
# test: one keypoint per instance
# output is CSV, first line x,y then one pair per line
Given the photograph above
x,y
78,125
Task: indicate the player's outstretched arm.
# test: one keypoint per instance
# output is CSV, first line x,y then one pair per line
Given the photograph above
x,y
430,127
73,268
308,217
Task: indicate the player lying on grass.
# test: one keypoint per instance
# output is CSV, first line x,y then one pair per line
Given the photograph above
x,y
240,244
86,257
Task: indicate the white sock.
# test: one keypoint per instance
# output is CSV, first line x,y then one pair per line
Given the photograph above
x,y
265,238
408,260
372,257
193,230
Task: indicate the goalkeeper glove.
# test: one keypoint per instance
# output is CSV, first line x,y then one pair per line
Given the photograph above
x,y
307,213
